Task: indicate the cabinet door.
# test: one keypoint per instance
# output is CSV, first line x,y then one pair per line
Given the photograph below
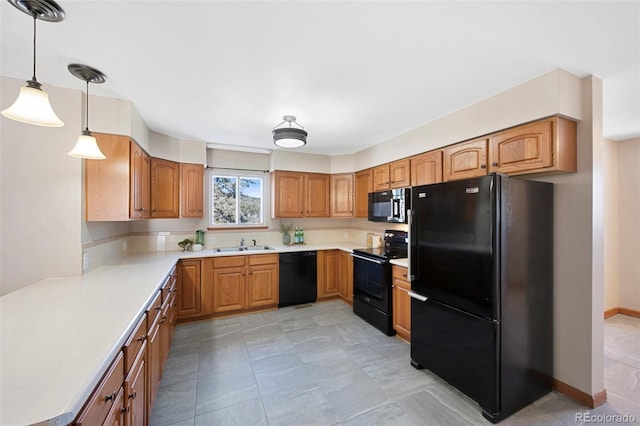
x,y
381,178
107,181
287,197
345,276
426,168
116,416
192,190
154,361
317,195
189,288
400,174
342,195
140,184
135,391
522,149
465,160
328,264
364,185
165,188
262,286
229,289
401,303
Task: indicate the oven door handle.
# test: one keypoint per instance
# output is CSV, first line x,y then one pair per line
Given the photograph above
x,y
379,262
418,296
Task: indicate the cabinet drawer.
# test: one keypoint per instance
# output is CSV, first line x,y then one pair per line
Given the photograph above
x,y
167,288
263,259
154,310
400,277
135,343
103,398
228,262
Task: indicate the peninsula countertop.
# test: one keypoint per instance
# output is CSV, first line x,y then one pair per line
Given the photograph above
x,y
59,335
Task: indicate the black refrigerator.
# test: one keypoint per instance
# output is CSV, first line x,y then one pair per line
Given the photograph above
x,y
481,269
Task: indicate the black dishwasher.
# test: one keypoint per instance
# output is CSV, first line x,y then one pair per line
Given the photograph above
x,y
298,278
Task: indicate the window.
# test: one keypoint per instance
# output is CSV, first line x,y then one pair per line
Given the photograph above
x,y
237,200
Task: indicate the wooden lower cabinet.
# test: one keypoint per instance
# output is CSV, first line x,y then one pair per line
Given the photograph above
x,y
328,264
232,284
189,288
335,275
345,276
154,369
117,414
401,302
135,386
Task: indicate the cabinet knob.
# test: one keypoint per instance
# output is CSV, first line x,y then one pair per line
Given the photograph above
x,y
141,338
133,395
483,166
494,164
110,397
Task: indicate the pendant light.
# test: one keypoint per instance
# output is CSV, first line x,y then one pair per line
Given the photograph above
x,y
289,137
87,146
32,105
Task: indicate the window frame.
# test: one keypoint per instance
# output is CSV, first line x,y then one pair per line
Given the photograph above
x,y
238,174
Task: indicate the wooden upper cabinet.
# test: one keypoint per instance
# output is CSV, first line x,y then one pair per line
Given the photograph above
x,y
465,160
117,188
363,186
400,174
287,194
426,168
381,178
296,194
317,195
165,188
192,190
140,183
543,146
342,195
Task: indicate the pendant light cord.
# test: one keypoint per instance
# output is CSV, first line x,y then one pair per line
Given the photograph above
x,y
87,122
34,47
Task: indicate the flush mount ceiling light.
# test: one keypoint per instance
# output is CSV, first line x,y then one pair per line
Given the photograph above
x,y
32,105
87,146
289,137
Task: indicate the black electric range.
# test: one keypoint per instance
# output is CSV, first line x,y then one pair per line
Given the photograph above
x,y
372,280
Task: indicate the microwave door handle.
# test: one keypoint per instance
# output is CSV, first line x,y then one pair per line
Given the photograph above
x,y
396,208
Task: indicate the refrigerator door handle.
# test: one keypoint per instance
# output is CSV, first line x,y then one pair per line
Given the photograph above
x,y
418,296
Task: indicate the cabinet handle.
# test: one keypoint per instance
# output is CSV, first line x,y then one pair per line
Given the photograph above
x,y
111,397
494,164
154,210
483,166
133,395
125,410
158,308
141,338
404,275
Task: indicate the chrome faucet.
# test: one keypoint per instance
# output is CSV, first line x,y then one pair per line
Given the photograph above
x,y
241,242
254,242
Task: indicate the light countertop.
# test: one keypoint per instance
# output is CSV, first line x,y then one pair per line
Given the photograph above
x,y
59,335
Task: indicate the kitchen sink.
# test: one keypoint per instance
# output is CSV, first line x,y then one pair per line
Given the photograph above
x,y
242,248
257,248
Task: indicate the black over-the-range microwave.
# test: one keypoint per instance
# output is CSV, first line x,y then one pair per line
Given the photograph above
x,y
390,205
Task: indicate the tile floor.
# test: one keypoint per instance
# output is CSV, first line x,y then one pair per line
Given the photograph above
x,y
322,365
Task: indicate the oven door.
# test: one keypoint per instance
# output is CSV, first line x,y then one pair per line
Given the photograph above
x,y
371,282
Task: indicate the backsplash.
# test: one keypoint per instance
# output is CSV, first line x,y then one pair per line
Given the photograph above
x,y
103,252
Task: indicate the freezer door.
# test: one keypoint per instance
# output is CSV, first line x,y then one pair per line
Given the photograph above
x,y
460,348
452,244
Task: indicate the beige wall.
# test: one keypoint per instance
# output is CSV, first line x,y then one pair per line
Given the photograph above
x,y
40,189
629,223
611,242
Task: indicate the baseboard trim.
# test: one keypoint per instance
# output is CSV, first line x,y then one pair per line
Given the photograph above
x,y
591,401
624,311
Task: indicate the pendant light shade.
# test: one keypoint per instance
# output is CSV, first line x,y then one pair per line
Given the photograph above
x,y
289,137
32,105
87,146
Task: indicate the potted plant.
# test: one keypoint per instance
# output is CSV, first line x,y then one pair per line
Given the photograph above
x,y
286,237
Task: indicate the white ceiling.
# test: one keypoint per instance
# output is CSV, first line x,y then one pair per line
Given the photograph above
x,y
354,72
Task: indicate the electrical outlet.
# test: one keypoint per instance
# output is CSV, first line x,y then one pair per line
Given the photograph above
x,y
124,246
164,233
85,261
345,236
160,243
